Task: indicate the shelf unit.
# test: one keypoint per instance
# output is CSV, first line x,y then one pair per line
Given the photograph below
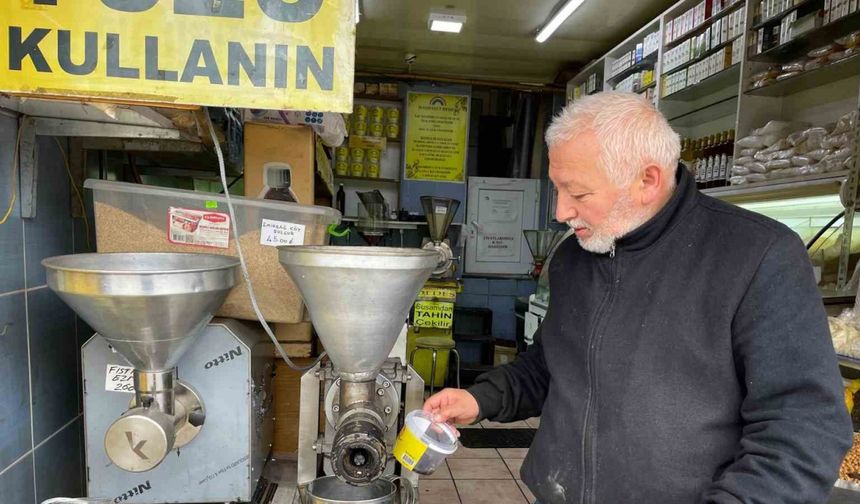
x,y
724,101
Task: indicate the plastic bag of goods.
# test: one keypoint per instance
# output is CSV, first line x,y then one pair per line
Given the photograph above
x,y
780,144
796,138
785,154
800,161
757,167
756,177
751,142
738,180
823,51
837,55
744,160
740,170
845,123
845,333
850,40
779,128
777,164
814,137
747,152
818,154
836,141
794,66
848,163
814,64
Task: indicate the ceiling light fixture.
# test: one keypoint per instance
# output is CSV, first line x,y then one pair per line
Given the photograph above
x,y
557,19
446,21
357,11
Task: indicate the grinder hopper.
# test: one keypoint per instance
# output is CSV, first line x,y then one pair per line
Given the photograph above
x,y
358,298
541,243
439,213
149,307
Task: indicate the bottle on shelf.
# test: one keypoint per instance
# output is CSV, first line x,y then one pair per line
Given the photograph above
x,y
340,200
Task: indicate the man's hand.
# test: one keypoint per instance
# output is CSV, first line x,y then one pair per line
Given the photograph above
x,y
454,406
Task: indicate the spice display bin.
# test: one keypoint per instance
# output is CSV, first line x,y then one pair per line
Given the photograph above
x,y
137,218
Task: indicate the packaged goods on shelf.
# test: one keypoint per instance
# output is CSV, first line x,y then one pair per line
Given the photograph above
x,y
837,9
786,149
651,43
834,52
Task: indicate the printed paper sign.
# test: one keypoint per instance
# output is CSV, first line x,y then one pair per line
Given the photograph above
x,y
260,54
119,379
198,227
438,314
276,233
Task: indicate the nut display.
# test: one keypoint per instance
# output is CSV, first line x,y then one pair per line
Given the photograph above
x,y
850,469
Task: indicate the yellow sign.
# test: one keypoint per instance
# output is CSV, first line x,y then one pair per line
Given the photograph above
x,y
437,293
438,314
437,129
264,54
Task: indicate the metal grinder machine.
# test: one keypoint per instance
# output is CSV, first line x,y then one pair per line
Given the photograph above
x,y
189,420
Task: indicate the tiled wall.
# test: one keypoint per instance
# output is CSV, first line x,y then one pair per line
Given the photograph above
x,y
497,295
41,427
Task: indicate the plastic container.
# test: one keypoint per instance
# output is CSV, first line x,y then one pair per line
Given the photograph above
x,y
138,218
423,444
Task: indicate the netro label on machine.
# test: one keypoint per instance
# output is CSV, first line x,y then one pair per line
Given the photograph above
x,y
265,54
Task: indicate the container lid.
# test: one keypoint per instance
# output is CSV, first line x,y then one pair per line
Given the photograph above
x,y
438,436
145,190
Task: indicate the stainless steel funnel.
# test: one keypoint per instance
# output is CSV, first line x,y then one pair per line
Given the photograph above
x,y
541,242
439,213
358,298
148,306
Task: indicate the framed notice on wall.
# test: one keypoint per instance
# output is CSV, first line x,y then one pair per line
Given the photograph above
x,y
437,133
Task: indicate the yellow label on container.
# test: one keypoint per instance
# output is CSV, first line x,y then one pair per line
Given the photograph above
x,y
408,449
438,314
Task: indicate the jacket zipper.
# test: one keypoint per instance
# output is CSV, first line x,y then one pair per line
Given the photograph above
x,y
588,455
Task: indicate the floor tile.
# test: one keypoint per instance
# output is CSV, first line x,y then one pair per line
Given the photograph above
x,y
437,492
514,465
534,422
482,453
512,453
463,469
441,473
15,438
490,492
16,484
488,424
528,493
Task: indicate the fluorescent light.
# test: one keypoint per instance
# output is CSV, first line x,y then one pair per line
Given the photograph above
x,y
559,18
357,11
446,26
446,21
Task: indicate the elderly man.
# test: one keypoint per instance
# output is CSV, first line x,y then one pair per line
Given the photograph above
x,y
685,357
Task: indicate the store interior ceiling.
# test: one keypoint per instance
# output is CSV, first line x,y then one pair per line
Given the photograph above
x,y
497,41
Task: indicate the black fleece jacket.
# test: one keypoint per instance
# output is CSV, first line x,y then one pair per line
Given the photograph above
x,y
693,365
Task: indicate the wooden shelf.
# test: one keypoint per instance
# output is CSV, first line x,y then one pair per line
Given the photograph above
x,y
708,53
838,70
367,179
708,86
644,64
378,98
704,26
777,19
812,39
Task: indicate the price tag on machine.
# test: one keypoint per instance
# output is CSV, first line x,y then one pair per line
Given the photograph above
x,y
119,379
276,233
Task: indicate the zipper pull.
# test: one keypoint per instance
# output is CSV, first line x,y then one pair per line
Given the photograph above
x,y
612,252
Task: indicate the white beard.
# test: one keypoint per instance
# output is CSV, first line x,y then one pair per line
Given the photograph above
x,y
622,219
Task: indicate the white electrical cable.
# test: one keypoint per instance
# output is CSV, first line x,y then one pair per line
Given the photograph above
x,y
242,264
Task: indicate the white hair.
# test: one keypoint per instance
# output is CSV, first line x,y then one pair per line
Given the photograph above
x,y
631,131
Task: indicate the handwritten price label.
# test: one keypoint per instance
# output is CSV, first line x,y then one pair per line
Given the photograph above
x,y
119,379
276,233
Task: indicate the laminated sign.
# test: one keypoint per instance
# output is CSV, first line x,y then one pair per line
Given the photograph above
x,y
263,54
